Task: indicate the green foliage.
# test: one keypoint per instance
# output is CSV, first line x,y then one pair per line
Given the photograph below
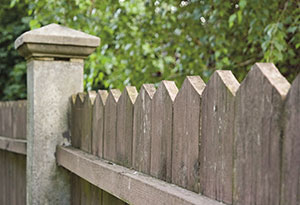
x,y
12,65
147,41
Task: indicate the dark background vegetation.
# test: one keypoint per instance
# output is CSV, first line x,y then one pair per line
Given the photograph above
x,y
146,41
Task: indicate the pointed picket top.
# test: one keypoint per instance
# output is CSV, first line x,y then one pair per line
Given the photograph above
x,y
131,92
228,80
186,133
90,97
273,75
149,89
196,82
102,95
80,98
114,94
257,135
169,87
216,149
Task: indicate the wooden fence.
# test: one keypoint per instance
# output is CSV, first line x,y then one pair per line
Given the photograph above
x,y
13,153
219,143
234,143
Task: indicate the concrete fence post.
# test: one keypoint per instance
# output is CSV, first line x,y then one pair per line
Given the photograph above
x,y
55,64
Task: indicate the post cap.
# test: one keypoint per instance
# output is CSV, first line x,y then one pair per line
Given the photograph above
x,y
55,40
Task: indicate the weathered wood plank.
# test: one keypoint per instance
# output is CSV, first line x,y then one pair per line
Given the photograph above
x,y
76,119
86,122
124,183
21,180
110,125
19,119
291,147
186,134
13,145
217,126
141,153
125,126
7,119
2,177
161,133
98,123
258,106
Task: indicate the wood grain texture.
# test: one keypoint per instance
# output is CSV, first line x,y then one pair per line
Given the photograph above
x,y
161,135
75,189
142,126
86,122
98,123
13,145
12,178
110,125
125,126
19,120
186,134
259,101
290,188
109,199
76,119
7,119
217,126
126,184
96,195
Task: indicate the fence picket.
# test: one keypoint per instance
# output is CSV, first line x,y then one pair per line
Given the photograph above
x,y
98,123
124,122
86,119
291,147
259,102
216,150
110,128
161,136
186,134
141,154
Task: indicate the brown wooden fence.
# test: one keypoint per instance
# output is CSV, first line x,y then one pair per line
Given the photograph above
x,y
234,143
13,153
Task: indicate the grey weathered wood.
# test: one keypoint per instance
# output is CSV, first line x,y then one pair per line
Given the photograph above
x,y
98,123
258,106
85,192
186,134
21,179
217,126
86,122
96,195
13,145
109,199
125,126
141,150
76,116
110,125
75,189
291,147
19,119
126,184
161,132
2,177
7,119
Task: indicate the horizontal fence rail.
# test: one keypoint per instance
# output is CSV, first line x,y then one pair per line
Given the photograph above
x,y
235,143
